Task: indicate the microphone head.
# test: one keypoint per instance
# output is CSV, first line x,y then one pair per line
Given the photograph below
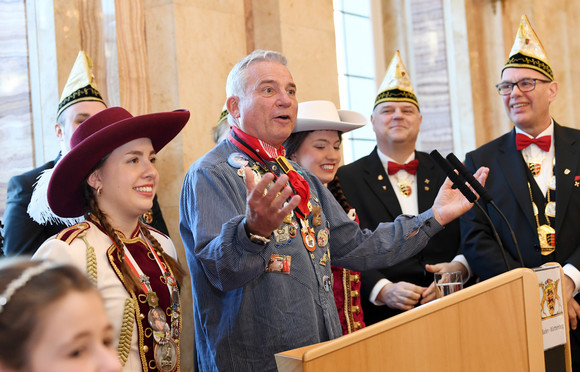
x,y
481,191
458,180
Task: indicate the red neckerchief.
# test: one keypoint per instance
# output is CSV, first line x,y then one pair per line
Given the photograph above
x,y
262,152
258,149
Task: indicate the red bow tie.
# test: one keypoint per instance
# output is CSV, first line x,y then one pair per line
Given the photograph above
x,y
410,167
523,141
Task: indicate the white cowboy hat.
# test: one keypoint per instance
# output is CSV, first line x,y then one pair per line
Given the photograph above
x,y
323,115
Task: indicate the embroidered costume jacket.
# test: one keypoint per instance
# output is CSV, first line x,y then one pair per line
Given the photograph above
x,y
88,247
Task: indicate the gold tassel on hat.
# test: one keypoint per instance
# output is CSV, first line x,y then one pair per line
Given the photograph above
x,y
396,85
528,52
81,85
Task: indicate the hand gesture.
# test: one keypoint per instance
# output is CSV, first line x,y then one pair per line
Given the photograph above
x,y
265,210
450,203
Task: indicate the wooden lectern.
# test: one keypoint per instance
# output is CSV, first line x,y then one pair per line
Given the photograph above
x,y
492,326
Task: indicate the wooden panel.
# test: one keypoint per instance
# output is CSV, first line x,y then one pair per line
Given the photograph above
x,y
132,56
92,41
67,38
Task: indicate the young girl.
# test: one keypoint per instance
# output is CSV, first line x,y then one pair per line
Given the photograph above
x,y
315,145
44,322
109,176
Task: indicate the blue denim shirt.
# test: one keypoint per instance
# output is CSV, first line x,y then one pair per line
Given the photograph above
x,y
244,315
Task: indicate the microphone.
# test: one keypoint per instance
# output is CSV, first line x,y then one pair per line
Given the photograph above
x,y
458,180
448,169
488,200
482,192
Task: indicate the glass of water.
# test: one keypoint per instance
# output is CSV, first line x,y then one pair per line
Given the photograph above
x,y
447,283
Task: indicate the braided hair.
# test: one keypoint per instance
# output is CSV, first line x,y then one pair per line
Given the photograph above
x,y
133,282
336,190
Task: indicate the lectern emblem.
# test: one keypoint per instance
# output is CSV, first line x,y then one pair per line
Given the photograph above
x,y
551,303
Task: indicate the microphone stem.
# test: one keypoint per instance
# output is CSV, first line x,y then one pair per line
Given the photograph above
x,y
497,238
511,232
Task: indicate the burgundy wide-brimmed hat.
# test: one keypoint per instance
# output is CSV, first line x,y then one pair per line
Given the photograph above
x,y
98,136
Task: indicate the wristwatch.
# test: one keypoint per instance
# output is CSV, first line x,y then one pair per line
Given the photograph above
x,y
254,238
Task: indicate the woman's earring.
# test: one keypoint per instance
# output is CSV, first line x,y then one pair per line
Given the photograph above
x,y
99,191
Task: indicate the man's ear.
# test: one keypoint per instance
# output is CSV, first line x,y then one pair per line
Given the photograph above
x,y
233,105
94,179
553,91
58,130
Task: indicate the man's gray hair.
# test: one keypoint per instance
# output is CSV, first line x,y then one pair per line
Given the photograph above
x,y
236,82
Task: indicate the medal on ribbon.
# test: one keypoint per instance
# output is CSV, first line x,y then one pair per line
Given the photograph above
x,y
165,335
166,355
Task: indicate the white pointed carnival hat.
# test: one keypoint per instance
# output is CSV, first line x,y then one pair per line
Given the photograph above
x,y
396,85
528,52
81,85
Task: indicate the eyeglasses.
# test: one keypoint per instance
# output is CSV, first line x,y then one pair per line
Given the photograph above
x,y
524,85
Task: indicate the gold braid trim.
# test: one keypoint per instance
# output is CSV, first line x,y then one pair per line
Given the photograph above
x,y
126,331
91,259
135,311
347,301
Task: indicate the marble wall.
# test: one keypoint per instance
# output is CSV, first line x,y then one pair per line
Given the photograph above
x,y
430,74
15,113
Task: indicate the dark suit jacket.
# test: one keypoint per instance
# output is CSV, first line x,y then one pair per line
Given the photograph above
x,y
507,185
23,236
368,189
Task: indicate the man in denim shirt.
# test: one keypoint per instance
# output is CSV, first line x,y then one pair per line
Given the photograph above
x,y
259,232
